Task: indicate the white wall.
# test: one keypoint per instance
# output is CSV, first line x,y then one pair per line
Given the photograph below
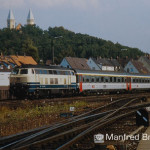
x,y
4,78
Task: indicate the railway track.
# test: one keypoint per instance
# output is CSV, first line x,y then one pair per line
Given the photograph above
x,y
13,103
58,135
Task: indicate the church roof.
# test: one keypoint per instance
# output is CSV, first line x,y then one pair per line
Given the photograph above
x,y
10,15
30,15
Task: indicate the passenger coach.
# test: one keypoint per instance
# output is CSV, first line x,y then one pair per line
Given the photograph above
x,y
96,81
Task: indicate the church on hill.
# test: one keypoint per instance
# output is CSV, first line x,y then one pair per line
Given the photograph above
x,y
11,23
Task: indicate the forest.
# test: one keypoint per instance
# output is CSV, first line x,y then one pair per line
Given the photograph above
x,y
33,41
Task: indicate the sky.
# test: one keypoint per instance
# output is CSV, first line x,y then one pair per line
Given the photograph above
x,y
124,21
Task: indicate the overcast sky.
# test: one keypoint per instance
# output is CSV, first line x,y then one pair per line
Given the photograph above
x,y
123,21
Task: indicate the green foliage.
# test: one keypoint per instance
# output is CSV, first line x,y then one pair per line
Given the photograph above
x,y
38,43
29,49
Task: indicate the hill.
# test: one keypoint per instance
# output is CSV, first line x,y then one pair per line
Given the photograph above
x,y
31,40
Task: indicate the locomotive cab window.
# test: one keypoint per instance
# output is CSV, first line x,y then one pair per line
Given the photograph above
x,y
15,71
24,71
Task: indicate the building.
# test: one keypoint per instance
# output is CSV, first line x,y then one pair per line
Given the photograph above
x,y
30,18
104,64
75,63
145,60
134,66
11,20
7,63
11,24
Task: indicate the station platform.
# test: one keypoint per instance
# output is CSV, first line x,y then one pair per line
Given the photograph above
x,y
145,144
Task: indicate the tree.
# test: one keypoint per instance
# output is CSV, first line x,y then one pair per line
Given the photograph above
x,y
29,49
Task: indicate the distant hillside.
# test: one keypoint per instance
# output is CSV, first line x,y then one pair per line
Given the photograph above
x,y
31,40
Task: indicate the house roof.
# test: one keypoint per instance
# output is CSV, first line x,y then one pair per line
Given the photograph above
x,y
18,27
139,66
18,60
78,63
104,61
30,15
10,15
123,61
26,60
146,59
114,62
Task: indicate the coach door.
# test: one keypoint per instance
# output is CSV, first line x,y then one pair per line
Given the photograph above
x,y
128,84
80,78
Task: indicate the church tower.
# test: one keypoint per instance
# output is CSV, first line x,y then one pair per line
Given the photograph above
x,y
11,20
30,18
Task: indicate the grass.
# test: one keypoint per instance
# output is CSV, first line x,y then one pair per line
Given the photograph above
x,y
31,116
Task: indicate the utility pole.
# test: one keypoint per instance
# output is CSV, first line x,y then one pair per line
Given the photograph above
x,y
53,50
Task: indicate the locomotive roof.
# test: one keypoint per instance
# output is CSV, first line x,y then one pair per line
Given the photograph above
x,y
45,67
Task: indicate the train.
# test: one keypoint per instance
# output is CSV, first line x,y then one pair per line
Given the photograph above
x,y
36,81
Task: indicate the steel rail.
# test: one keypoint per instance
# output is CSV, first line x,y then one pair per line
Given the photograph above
x,y
58,126
120,108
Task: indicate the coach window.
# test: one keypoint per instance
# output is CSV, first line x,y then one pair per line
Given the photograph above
x,y
102,79
118,80
114,79
110,79
87,80
92,79
83,79
133,80
97,79
148,80
106,79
